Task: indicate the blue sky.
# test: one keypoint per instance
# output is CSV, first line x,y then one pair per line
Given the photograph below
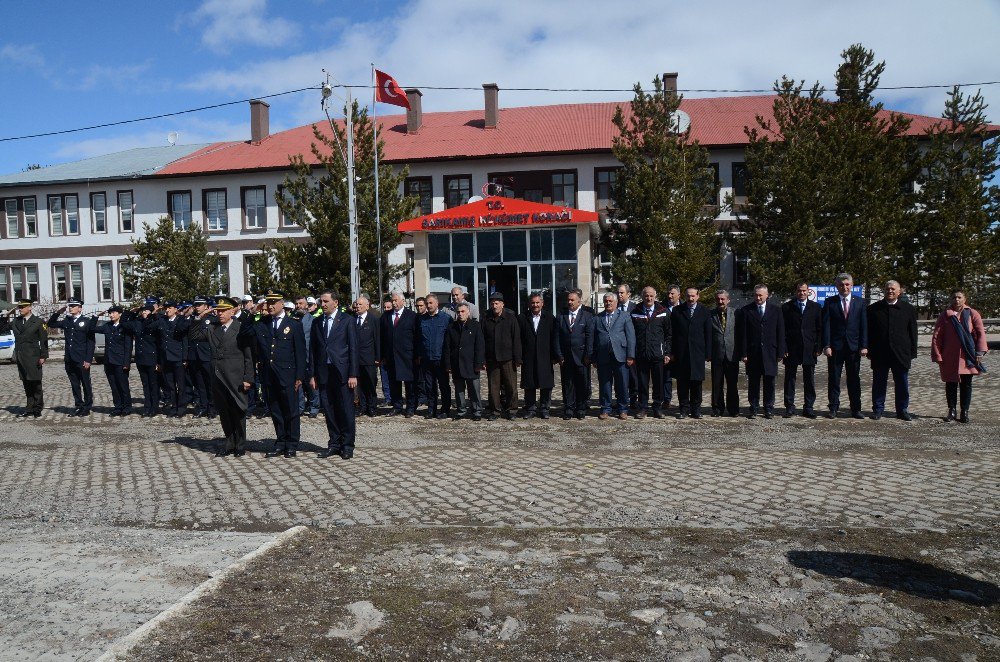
x,y
65,64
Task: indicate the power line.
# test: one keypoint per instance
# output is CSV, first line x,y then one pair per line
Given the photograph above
x,y
452,88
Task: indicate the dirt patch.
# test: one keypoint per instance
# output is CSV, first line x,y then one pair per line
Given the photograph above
x,y
627,594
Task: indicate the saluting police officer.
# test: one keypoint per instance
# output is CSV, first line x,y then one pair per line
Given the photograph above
x,y
80,345
199,361
172,330
31,348
117,360
281,357
143,329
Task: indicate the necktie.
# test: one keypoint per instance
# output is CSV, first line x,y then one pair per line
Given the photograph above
x,y
572,319
723,320
802,307
691,312
360,321
847,306
395,319
649,313
326,325
607,321
277,323
761,310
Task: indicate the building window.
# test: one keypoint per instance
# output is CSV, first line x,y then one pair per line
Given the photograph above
x,y
19,281
254,209
253,268
126,280
740,180
741,270
126,212
214,204
64,215
438,248
422,188
30,210
564,189
604,188
179,208
289,220
13,218
106,281
4,285
222,275
21,217
457,189
98,212
712,197
67,281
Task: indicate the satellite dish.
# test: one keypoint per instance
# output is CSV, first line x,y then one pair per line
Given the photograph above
x,y
680,121
172,138
475,198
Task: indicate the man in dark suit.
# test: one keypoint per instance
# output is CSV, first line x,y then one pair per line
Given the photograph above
x,y
538,351
612,350
31,349
502,334
573,336
651,323
673,300
334,372
845,341
725,357
626,305
465,359
117,360
80,345
803,339
369,355
282,363
762,345
172,330
400,332
892,346
231,372
691,328
199,360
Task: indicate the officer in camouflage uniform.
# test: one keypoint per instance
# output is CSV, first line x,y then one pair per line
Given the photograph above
x,y
31,348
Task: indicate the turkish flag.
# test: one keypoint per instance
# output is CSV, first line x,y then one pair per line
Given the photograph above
x,y
387,90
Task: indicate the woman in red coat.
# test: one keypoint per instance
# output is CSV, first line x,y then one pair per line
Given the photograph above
x,y
958,354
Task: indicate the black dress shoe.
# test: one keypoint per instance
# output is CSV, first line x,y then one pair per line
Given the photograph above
x,y
952,415
752,413
789,412
809,414
715,412
84,412
544,414
904,416
490,417
239,453
580,415
328,452
37,414
567,417
442,416
291,453
223,453
527,414
346,454
964,417
768,415
408,414
275,453
858,415
681,416
657,413
876,415
24,414
507,416
696,414
832,414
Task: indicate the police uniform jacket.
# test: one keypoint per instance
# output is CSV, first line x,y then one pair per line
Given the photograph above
x,y
803,332
198,350
117,343
173,339
652,332
281,352
31,342
79,335
464,349
145,334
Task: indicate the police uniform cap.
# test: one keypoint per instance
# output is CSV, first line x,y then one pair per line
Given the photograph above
x,y
183,305
201,300
289,305
73,301
152,300
225,303
496,296
170,304
21,303
274,295
116,309
246,297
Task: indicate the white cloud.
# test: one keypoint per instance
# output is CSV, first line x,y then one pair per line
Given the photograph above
x,y
589,44
25,55
190,130
236,23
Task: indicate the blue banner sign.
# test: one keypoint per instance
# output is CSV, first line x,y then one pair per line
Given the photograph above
x,y
820,293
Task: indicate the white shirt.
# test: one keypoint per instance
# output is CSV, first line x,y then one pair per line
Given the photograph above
x,y
362,318
535,319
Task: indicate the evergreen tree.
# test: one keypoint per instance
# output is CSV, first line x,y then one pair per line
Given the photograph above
x,y
175,264
661,230
315,198
960,207
830,184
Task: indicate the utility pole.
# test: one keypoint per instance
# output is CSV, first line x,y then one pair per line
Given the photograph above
x,y
352,211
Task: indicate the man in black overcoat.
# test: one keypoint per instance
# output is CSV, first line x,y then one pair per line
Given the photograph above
x,y
369,354
400,330
804,342
762,345
691,330
892,346
538,350
465,359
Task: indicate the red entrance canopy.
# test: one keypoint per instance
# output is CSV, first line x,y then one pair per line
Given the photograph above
x,y
497,213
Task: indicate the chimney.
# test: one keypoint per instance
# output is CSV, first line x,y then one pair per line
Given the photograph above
x,y
492,92
670,83
259,120
415,115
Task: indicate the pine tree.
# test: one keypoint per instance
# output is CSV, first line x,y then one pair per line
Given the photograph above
x,y
171,263
315,198
830,183
661,230
960,207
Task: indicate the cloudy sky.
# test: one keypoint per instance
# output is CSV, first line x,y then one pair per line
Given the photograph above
x,y
68,65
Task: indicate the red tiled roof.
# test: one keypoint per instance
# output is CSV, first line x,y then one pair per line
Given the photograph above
x,y
531,130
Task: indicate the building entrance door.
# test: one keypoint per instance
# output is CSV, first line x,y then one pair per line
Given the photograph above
x,y
503,279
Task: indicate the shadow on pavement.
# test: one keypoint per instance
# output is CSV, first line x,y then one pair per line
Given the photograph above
x,y
922,580
253,446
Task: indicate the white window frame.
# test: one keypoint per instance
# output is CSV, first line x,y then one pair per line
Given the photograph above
x,y
109,281
126,213
259,210
99,215
216,217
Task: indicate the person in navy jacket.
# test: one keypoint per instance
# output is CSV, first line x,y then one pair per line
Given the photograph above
x,y
199,360
173,342
803,337
369,354
334,372
573,329
80,345
117,359
282,365
433,366
143,327
400,339
845,341
762,345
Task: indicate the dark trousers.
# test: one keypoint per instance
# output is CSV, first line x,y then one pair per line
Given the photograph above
x,y
952,389
689,395
436,382
396,393
841,359
880,386
754,378
308,398
383,374
367,397
150,388
467,397
537,400
79,381
808,385
612,373
501,386
633,385
201,381
121,395
173,382
574,387
337,401
648,372
283,402
725,389
668,386
33,396
232,415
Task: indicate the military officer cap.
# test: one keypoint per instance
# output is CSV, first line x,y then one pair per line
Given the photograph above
x,y
21,303
116,309
225,303
496,296
274,295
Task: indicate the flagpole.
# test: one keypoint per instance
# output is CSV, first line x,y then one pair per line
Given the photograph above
x,y
378,216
